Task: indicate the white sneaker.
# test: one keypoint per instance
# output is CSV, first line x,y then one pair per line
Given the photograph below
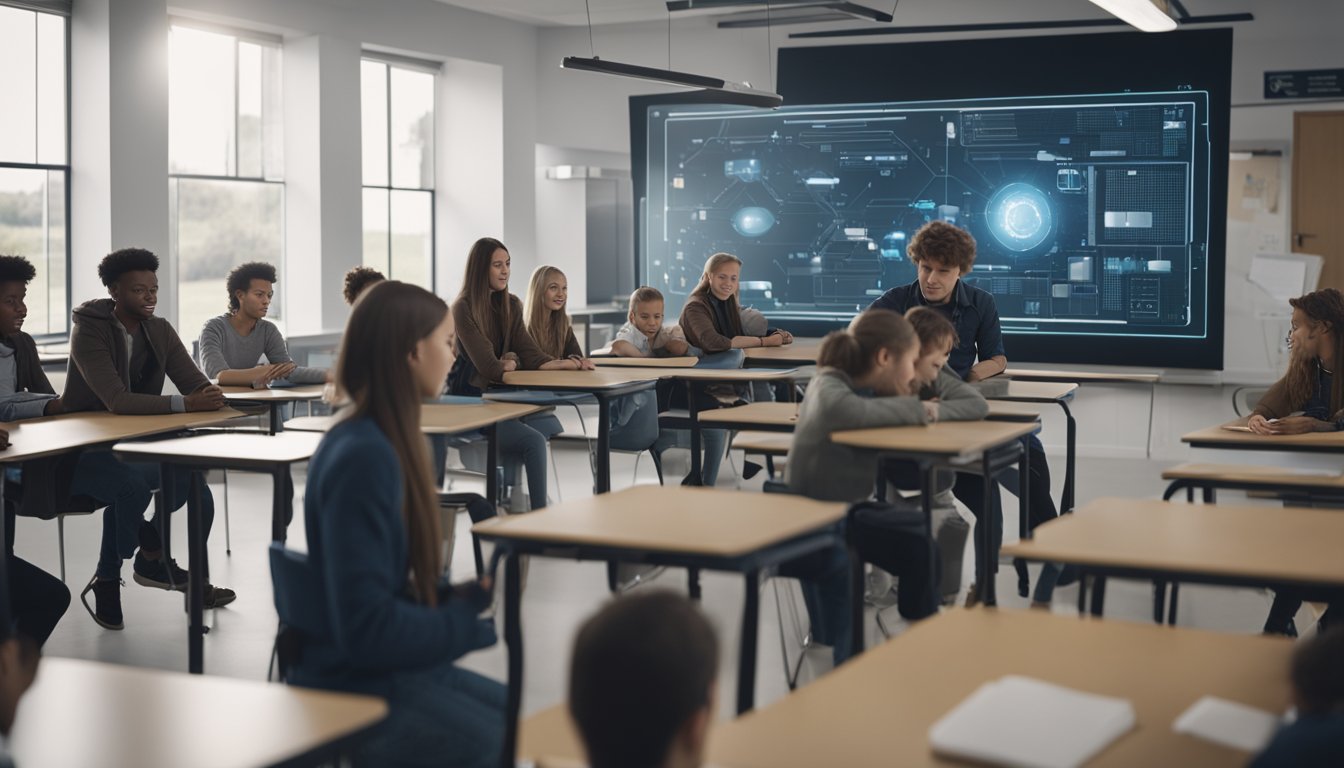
x,y
880,588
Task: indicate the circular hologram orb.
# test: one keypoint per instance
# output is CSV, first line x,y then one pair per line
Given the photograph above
x,y
1019,217
753,221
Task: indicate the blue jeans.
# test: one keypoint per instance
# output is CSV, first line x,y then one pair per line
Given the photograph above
x,y
127,489
521,442
443,716
713,441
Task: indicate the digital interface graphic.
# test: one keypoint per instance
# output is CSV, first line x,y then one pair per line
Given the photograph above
x,y
1091,212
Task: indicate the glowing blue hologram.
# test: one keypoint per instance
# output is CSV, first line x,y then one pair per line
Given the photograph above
x,y
746,170
1019,217
753,221
893,245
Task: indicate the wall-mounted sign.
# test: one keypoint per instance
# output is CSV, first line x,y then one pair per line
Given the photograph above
x,y
1305,84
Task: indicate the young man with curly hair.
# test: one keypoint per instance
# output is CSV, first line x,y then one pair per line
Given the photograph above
x,y
233,344
357,279
120,355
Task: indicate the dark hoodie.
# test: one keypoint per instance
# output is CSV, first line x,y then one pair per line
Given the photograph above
x,y
98,377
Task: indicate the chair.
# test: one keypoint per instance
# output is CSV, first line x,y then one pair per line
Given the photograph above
x,y
788,603
76,505
300,605
478,508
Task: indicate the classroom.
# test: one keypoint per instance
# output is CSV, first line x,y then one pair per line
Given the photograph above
x,y
671,383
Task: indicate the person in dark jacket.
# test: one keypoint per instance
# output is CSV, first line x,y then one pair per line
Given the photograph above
x,y
376,549
1316,737
120,355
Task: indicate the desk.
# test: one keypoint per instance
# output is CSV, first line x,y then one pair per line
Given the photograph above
x,y
550,738
604,385
1059,393
800,352
766,417
1004,410
877,709
1219,544
86,713
956,445
249,452
694,528
1281,480
1236,440
646,362
1095,377
692,376
273,399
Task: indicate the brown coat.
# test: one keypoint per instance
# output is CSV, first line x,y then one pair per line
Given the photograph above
x,y
483,349
98,376
697,322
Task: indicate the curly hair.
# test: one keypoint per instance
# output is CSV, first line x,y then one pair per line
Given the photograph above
x,y
1325,311
944,243
16,269
240,279
118,263
359,278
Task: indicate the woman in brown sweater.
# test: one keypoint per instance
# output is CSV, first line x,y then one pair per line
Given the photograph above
x,y
712,316
491,341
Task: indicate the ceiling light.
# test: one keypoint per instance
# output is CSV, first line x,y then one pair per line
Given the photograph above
x,y
1145,15
731,92
840,8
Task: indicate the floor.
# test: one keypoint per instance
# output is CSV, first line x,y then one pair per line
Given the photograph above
x,y
560,594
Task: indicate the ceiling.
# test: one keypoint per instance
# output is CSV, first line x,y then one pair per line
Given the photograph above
x,y
553,13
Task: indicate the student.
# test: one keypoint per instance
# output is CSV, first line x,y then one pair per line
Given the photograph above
x,y
357,279
120,354
1309,388
374,543
644,334
866,378
711,320
491,341
37,599
642,683
233,343
1316,738
944,253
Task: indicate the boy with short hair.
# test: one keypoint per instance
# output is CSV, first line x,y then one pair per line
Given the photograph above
x,y
120,355
642,683
644,334
358,279
233,344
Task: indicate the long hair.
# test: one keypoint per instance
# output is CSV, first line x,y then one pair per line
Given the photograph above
x,y
490,317
853,349
1325,309
385,325
548,327
713,265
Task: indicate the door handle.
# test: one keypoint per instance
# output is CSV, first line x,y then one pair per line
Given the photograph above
x,y
1300,236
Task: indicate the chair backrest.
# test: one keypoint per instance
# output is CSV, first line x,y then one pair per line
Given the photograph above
x,y
300,600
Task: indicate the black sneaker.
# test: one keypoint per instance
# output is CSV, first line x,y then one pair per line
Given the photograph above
x,y
218,597
106,610
152,573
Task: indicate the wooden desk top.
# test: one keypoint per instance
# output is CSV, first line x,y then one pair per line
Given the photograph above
x,y
437,418
585,380
1296,544
876,710
702,521
551,739
284,448
1248,473
1011,410
770,443
645,362
1026,391
953,439
155,719
279,394
1080,377
729,374
57,434
763,414
801,351
1221,437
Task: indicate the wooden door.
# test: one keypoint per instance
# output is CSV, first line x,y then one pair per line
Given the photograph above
x,y
1318,191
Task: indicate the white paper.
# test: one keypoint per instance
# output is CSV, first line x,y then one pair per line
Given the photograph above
x,y
1228,723
1019,721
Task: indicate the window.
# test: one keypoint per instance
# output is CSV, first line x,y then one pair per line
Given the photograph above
x,y
226,192
34,165
397,108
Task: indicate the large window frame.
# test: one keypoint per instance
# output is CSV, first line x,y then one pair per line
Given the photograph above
x,y
59,331
389,189
265,175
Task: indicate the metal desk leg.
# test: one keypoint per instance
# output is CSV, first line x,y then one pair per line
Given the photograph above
x,y
196,576
989,554
1159,599
1098,595
513,638
927,487
276,424
492,467
603,479
746,670
1066,501
1171,606
693,583
1082,591
697,462
282,503
856,637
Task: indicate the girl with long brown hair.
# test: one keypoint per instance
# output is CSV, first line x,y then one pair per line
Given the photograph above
x,y
374,544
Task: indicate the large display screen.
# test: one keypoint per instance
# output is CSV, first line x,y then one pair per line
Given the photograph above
x,y
1092,211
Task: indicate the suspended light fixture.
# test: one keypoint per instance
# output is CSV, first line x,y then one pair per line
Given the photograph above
x,y
1144,15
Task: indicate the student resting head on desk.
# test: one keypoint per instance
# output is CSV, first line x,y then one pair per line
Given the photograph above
x,y
120,354
866,378
642,683
374,542
1311,389
1316,738
233,343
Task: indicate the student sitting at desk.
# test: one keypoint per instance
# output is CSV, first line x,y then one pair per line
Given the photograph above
x,y
233,343
120,354
375,545
1316,738
644,333
37,599
357,279
944,253
1310,389
865,378
642,683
